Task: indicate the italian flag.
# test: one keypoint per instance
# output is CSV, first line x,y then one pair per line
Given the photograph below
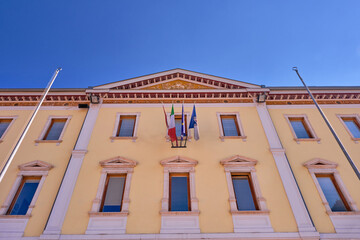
x,y
171,128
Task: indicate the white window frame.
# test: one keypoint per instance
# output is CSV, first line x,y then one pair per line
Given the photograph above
x,y
221,131
13,118
117,121
46,128
14,225
343,222
308,126
357,118
111,222
179,221
187,114
246,221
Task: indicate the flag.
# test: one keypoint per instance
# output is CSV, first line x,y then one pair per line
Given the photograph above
x,y
194,124
167,125
183,133
171,128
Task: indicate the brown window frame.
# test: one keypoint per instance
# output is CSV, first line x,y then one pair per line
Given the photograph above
x,y
253,194
235,121
171,174
354,119
305,124
120,122
53,120
106,187
331,176
23,180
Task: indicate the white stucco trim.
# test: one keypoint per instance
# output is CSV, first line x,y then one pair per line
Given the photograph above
x,y
238,122
246,221
344,222
14,225
313,136
311,106
356,117
176,105
12,118
179,222
298,207
57,215
46,127
111,222
117,120
214,236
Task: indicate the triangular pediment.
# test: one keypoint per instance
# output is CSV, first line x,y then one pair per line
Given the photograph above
x,y
176,79
177,84
35,166
118,162
320,163
238,161
178,160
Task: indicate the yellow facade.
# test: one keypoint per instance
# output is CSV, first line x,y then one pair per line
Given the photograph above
x,y
290,204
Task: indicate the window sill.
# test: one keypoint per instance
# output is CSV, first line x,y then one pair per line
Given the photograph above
x,y
233,137
123,138
108,214
343,213
48,141
179,213
307,140
356,140
255,212
16,216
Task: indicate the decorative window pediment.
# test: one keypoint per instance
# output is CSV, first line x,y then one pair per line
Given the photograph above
x,y
118,162
178,161
320,163
35,166
238,161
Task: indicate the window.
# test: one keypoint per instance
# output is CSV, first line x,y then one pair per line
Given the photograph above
x,y
21,200
5,123
245,198
244,192
179,192
110,207
332,190
24,196
126,125
113,193
230,126
179,203
351,123
301,128
178,124
54,129
332,194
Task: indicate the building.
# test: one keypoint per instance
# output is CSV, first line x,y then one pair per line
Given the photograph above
x,y
97,163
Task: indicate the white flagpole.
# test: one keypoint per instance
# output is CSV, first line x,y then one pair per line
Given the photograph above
x,y
12,155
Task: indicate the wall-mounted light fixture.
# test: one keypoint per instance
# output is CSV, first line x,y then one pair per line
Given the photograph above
x,y
94,99
261,98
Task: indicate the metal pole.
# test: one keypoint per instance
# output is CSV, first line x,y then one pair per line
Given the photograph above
x,y
330,127
12,155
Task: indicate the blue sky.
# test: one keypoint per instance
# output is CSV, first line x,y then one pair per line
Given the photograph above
x,y
97,42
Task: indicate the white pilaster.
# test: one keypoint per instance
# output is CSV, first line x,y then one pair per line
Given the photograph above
x,y
57,215
300,212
